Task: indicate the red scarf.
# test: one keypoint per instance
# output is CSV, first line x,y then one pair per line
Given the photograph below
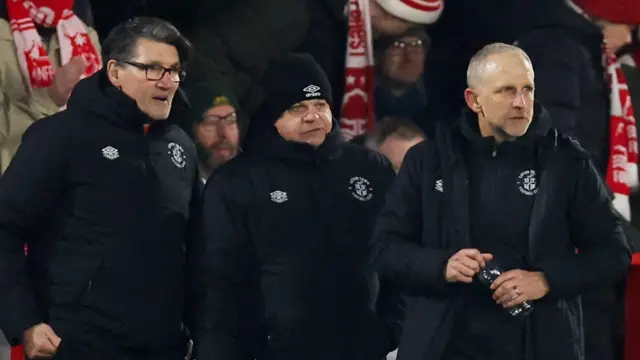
x,y
357,106
72,36
622,171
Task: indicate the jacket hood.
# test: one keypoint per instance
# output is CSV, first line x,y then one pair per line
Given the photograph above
x,y
97,97
540,127
264,140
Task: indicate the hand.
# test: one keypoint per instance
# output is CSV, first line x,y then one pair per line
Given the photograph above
x,y
464,264
40,342
514,287
65,79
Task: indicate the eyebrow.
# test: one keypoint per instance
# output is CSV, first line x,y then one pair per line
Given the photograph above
x,y
158,63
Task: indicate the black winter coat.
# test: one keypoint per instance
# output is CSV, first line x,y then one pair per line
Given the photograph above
x,y
425,221
104,211
280,265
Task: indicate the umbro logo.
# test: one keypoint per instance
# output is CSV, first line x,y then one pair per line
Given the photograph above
x,y
439,186
312,90
279,196
110,153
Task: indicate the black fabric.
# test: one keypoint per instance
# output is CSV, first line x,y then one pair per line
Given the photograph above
x,y
565,50
421,226
104,210
502,175
291,79
281,270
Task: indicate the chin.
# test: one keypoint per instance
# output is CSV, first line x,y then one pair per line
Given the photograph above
x,y
518,133
158,115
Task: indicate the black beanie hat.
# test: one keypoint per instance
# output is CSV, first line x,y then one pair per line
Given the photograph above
x,y
204,96
291,79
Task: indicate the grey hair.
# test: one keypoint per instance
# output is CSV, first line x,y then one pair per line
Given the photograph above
x,y
478,64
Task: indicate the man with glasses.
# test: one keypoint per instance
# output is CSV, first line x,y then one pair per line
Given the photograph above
x,y
279,265
214,125
101,195
400,89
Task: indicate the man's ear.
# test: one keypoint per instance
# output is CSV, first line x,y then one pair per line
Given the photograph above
x,y
114,73
471,99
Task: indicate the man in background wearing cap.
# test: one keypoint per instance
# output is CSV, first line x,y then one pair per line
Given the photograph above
x,y
279,264
567,45
214,126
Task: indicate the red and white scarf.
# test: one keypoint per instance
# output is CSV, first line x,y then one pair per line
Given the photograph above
x,y
32,54
357,116
622,171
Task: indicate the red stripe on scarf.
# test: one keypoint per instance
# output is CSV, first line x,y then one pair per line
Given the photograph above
x,y
623,147
423,5
72,36
357,116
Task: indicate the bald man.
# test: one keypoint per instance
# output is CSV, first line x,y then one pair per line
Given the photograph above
x,y
497,189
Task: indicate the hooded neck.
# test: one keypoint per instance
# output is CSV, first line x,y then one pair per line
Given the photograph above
x,y
469,128
96,96
264,140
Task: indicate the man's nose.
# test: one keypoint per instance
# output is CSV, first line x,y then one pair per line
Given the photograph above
x,y
313,114
519,101
165,81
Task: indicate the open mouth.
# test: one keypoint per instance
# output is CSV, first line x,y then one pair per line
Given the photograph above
x,y
164,99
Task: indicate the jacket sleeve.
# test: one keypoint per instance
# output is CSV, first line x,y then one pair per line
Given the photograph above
x,y
222,277
28,189
389,302
557,81
603,255
396,249
237,43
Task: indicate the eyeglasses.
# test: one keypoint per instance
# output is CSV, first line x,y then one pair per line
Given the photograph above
x,y
399,46
156,72
212,121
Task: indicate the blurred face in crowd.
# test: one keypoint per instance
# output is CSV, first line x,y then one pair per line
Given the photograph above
x,y
404,60
395,148
616,36
308,122
151,77
503,96
384,23
217,137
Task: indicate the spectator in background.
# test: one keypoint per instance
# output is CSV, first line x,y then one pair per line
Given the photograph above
x,y
393,137
104,211
400,91
279,266
566,47
222,30
50,50
214,125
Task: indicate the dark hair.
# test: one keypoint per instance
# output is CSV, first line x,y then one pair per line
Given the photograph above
x,y
121,41
393,126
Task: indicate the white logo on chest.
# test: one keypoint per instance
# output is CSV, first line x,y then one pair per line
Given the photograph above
x,y
360,188
176,152
527,182
110,153
278,196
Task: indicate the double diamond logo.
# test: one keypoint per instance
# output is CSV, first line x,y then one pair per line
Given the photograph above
x,y
311,88
110,153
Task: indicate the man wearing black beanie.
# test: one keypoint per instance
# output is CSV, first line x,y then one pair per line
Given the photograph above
x,y
279,265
